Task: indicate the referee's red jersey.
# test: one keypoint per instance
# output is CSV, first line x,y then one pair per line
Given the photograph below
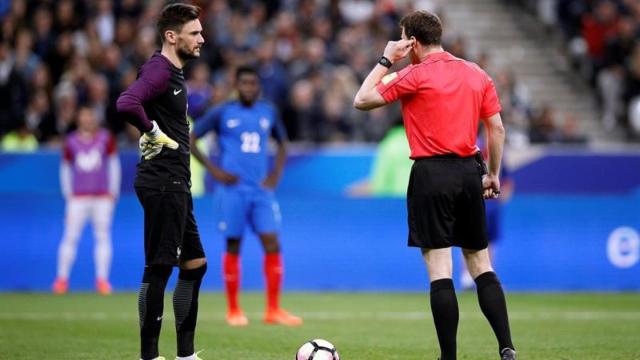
x,y
443,98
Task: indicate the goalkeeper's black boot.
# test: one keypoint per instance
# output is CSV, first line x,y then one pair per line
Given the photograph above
x,y
508,354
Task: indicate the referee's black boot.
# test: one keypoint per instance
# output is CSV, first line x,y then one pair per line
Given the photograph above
x,y
508,354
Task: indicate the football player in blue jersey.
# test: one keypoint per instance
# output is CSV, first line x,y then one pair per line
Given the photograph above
x,y
246,195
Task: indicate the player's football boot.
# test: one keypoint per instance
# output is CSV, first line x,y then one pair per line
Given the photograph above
x,y
508,354
281,317
237,318
103,287
60,286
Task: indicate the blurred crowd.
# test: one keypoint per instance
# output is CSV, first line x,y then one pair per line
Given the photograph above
x,y
602,39
311,56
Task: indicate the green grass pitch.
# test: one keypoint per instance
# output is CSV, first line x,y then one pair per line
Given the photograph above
x,y
363,326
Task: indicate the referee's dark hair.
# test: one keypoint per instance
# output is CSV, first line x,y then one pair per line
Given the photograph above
x,y
245,69
424,26
174,16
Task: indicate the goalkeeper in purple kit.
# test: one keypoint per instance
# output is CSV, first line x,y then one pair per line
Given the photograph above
x,y
156,103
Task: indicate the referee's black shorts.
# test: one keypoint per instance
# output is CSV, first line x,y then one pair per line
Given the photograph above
x,y
170,231
445,204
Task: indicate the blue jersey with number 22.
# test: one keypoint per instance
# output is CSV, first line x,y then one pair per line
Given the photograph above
x,y
243,137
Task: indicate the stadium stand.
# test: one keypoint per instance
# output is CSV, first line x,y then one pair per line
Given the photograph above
x,y
310,54
599,40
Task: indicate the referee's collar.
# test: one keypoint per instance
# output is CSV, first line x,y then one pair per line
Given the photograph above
x,y
440,55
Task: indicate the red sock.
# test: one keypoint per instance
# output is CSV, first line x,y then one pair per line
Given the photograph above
x,y
231,273
273,274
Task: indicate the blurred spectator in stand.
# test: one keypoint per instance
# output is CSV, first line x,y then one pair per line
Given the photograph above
x,y
543,128
19,140
105,22
13,91
44,38
41,80
98,99
335,127
59,55
631,94
65,105
144,42
570,131
634,120
308,113
26,61
18,10
611,79
287,38
273,75
313,61
517,110
129,8
114,68
484,61
199,89
597,27
308,54
8,28
68,15
569,14
457,47
377,123
38,117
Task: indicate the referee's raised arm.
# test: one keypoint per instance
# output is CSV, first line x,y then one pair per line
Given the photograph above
x,y
368,97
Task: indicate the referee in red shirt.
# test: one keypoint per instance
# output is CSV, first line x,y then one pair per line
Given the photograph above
x,y
443,99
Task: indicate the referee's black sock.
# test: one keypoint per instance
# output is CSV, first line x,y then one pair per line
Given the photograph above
x,y
185,307
494,307
444,307
150,307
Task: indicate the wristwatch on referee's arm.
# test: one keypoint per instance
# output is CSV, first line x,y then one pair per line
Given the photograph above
x,y
384,61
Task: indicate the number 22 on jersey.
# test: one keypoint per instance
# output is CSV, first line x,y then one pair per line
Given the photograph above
x,y
250,142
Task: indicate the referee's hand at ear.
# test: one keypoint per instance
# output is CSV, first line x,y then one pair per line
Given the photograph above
x,y
397,50
491,186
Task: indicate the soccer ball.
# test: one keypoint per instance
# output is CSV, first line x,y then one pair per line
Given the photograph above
x,y
317,349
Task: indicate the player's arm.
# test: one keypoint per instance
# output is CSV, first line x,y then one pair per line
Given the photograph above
x,y
65,173
274,176
115,170
490,115
368,97
209,121
153,81
495,141
279,133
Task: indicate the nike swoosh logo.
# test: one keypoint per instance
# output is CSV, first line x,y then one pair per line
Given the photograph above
x,y
233,123
176,91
